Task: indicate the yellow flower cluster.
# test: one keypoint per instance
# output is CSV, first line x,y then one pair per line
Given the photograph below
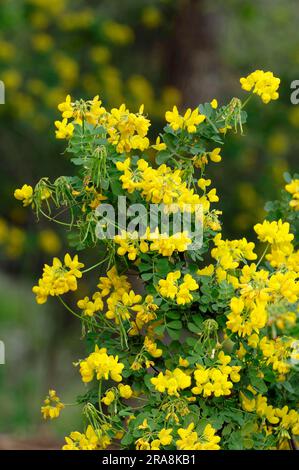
x,y
124,391
166,245
126,131
246,317
229,254
121,302
170,289
264,84
25,194
282,418
283,254
189,439
58,278
279,352
90,440
283,320
151,347
91,307
201,160
158,185
113,282
164,438
217,380
119,306
102,366
145,313
261,293
52,406
171,382
132,244
274,232
293,189
91,111
189,121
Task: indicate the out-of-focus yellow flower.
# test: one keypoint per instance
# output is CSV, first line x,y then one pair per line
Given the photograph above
x,y
49,242
42,42
73,20
66,67
7,50
117,33
11,78
151,17
99,54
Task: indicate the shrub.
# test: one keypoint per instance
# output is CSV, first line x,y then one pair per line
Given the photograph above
x,y
190,345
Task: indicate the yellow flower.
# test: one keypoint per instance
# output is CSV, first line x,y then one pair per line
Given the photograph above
x,y
191,441
165,436
170,288
171,382
52,406
215,155
58,278
108,398
274,232
64,130
183,362
151,347
214,103
159,145
125,391
66,108
203,183
24,194
144,425
91,307
102,366
90,440
293,189
189,121
175,120
264,84
207,271
142,444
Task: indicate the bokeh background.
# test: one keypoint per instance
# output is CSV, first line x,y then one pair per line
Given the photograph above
x,y
156,52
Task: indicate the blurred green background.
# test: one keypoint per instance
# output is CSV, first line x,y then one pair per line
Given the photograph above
x,y
156,52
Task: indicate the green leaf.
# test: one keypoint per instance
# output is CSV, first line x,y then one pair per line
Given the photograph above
x,y
248,443
175,325
192,327
159,330
174,334
144,267
257,382
162,157
172,314
147,276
